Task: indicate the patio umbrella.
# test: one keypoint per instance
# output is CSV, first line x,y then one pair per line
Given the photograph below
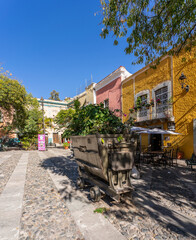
x,y
135,129
158,131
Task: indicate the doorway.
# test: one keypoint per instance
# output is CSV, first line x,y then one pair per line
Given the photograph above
x,y
55,138
156,142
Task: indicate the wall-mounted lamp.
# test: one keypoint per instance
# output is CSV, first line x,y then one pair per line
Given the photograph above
x,y
182,79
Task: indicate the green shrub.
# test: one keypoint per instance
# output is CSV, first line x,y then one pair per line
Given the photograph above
x,y
92,119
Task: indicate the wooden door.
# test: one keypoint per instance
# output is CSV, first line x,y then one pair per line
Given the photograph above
x,y
55,138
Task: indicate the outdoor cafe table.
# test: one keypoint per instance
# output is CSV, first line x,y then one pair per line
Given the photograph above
x,y
154,154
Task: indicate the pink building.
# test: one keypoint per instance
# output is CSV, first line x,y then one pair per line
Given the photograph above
x,y
108,90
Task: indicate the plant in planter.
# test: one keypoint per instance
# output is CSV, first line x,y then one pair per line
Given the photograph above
x,y
92,119
152,102
131,110
158,100
101,141
66,145
139,107
135,108
147,105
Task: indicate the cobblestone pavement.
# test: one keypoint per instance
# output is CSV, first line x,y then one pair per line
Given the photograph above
x,y
45,215
7,167
159,187
158,194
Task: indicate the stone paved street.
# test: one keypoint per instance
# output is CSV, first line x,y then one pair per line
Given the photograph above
x,y
162,206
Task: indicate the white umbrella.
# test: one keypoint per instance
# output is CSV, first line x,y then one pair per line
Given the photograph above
x,y
135,129
159,131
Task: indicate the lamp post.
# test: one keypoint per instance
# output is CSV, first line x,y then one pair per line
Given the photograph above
x,y
42,102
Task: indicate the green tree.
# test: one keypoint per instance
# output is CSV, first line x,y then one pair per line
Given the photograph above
x,y
21,108
33,121
64,117
54,96
152,28
13,101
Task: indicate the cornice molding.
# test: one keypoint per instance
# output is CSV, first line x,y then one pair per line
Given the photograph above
x,y
120,72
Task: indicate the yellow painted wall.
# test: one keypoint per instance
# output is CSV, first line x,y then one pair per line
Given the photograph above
x,y
89,94
127,98
185,102
152,77
81,98
144,80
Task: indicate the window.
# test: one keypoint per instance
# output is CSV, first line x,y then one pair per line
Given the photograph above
x,y
1,117
161,97
143,110
106,103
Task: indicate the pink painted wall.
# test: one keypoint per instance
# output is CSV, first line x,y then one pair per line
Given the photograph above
x,y
112,91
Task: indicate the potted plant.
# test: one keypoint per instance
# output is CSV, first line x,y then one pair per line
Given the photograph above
x,y
147,105
66,145
158,100
135,108
152,102
131,110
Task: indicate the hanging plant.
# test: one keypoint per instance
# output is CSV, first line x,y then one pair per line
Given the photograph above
x,y
135,108
152,102
143,104
158,100
131,110
148,105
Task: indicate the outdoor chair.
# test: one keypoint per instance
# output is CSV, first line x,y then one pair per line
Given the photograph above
x,y
192,161
167,157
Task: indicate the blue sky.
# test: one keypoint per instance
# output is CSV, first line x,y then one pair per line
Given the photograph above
x,y
55,44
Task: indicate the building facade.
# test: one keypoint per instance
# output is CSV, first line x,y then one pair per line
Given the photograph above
x,y
86,97
108,90
167,100
51,108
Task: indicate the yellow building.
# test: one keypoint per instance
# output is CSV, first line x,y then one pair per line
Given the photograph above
x,y
174,96
86,97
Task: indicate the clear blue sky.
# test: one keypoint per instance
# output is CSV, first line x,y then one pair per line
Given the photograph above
x,y
55,44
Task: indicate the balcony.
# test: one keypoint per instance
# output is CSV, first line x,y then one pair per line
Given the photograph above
x,y
162,112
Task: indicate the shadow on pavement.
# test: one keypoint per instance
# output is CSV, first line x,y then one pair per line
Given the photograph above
x,y
148,198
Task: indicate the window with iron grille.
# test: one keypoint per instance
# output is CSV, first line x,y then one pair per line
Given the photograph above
x,y
161,96
106,103
143,110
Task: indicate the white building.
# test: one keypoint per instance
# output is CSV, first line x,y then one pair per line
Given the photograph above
x,y
51,108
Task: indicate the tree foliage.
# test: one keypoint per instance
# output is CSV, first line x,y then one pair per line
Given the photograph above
x,y
152,28
21,107
13,100
54,96
64,117
33,121
92,119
